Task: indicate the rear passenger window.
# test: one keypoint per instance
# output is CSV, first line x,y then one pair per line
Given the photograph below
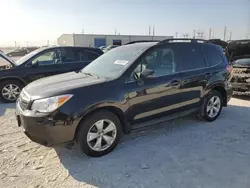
x,y
192,58
92,55
69,55
212,55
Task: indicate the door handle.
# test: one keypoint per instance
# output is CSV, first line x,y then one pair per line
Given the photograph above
x,y
174,83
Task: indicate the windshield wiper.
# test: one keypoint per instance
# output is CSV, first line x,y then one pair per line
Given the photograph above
x,y
89,74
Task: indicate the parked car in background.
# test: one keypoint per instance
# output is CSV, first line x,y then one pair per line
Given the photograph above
x,y
128,87
21,51
219,42
102,47
41,63
238,53
109,48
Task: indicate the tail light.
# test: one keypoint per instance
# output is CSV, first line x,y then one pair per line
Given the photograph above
x,y
229,68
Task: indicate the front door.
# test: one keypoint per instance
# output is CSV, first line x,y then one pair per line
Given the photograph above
x,y
45,64
159,94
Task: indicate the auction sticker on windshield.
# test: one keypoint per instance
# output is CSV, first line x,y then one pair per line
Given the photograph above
x,y
121,62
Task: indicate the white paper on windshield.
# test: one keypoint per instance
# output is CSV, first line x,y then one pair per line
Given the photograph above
x,y
121,62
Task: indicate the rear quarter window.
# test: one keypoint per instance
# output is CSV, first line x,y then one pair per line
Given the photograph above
x,y
212,55
192,57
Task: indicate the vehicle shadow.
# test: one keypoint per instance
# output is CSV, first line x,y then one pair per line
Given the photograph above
x,y
4,107
171,154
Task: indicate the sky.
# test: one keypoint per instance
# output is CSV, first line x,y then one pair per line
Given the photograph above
x,y
34,22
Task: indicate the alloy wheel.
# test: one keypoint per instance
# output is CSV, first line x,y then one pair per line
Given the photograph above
x,y
213,106
101,135
11,92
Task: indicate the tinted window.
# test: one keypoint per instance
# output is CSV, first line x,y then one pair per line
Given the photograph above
x,y
92,55
70,55
212,55
192,57
162,60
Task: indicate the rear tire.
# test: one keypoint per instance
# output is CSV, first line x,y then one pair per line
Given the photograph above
x,y
10,90
99,134
211,106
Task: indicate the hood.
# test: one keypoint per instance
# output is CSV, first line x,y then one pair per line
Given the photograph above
x,y
60,84
237,49
2,55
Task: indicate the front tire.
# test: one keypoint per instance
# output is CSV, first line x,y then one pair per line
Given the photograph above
x,y
99,134
10,90
211,106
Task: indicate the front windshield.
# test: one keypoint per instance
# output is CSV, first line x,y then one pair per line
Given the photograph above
x,y
114,62
28,56
245,61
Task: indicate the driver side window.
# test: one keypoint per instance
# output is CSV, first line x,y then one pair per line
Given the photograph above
x,y
47,58
160,60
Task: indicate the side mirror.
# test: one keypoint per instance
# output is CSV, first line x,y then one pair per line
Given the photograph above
x,y
147,73
35,64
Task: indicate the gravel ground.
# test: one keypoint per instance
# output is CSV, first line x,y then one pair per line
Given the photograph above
x,y
184,153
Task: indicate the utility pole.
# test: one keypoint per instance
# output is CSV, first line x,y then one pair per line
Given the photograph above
x,y
230,38
153,30
149,30
176,34
115,31
225,32
210,31
194,34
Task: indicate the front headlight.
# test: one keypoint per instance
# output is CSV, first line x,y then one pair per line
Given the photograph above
x,y
50,104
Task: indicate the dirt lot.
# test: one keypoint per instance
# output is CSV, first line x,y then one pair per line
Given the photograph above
x,y
184,153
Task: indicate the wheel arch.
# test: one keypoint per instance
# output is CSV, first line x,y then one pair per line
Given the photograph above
x,y
117,111
13,78
220,87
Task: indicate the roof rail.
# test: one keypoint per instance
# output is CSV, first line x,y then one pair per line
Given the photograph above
x,y
138,41
181,39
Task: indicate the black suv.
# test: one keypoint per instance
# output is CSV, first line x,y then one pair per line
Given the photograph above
x,y
128,87
41,63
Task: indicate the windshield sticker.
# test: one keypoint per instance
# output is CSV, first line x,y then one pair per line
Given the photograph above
x,y
121,62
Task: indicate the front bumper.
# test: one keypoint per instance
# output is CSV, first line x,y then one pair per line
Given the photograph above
x,y
44,129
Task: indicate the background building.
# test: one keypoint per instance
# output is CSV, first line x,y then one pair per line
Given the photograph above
x,y
92,40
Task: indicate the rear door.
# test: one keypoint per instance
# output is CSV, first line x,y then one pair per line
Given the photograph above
x,y
158,96
194,74
74,59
